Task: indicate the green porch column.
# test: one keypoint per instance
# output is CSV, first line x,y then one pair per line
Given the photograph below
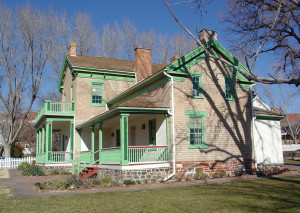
x,y
43,137
100,140
37,146
48,141
42,141
71,140
124,138
93,143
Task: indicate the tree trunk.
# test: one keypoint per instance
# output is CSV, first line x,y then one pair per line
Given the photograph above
x,y
7,151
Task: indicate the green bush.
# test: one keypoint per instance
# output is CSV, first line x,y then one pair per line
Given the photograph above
x,y
106,181
129,182
22,166
220,174
17,151
33,170
201,176
239,172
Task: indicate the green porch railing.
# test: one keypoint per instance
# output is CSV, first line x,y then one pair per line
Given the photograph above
x,y
41,158
56,108
140,154
111,155
57,157
85,159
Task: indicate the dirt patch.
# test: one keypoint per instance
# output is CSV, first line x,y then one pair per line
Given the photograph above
x,y
4,173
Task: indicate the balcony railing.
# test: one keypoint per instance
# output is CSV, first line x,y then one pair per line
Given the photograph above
x,y
56,108
143,154
57,157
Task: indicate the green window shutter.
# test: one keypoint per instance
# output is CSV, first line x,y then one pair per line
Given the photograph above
x,y
229,88
196,129
196,84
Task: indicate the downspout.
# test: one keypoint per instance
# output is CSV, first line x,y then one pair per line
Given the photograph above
x,y
253,118
173,125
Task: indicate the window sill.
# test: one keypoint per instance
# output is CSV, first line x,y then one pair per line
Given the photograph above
x,y
200,146
101,105
198,97
229,99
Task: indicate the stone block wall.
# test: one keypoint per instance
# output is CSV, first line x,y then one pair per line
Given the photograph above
x,y
143,175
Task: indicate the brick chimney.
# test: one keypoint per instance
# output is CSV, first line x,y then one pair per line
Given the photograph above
x,y
142,63
207,35
174,58
72,49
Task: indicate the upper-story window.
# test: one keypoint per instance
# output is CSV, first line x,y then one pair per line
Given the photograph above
x,y
97,93
229,88
196,84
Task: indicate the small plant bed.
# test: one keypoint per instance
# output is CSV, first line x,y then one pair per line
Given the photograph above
x,y
262,172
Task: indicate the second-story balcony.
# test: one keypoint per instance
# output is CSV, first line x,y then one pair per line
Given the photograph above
x,y
56,108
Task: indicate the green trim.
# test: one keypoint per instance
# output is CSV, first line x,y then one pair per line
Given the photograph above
x,y
199,75
181,65
72,92
231,80
269,117
198,114
96,81
124,139
59,119
66,62
93,143
198,146
179,79
103,71
139,90
195,113
105,77
93,82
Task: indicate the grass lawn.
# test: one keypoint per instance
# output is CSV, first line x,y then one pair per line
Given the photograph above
x,y
287,161
264,195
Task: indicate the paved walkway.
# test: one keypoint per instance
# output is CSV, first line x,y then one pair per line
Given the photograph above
x,y
23,186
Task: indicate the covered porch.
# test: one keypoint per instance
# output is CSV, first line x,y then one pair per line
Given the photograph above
x,y
125,137
55,141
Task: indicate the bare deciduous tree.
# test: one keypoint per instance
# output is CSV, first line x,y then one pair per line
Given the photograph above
x,y
130,38
111,41
26,41
280,29
164,49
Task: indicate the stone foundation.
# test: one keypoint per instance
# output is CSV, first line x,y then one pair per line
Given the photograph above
x,y
55,169
143,175
210,167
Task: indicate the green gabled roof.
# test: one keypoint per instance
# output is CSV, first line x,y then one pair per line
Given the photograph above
x,y
181,66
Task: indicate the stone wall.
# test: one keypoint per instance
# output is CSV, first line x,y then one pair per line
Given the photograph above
x,y
143,175
55,169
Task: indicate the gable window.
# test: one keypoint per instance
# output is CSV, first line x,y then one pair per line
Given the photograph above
x,y
229,88
196,129
97,93
196,84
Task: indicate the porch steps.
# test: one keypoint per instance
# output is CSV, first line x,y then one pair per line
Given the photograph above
x,y
88,172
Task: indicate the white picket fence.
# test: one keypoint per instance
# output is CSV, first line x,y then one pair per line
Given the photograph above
x,y
292,147
13,163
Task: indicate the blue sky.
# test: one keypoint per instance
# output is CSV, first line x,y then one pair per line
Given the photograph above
x,y
147,15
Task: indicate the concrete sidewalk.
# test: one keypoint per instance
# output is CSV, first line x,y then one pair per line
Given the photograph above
x,y
23,186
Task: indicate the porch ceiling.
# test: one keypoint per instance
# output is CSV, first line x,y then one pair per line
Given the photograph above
x,y
111,117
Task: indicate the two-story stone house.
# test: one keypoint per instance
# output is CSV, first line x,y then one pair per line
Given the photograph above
x,y
149,120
